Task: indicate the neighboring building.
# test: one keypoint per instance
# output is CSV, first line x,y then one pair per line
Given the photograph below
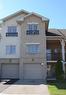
x,y
28,49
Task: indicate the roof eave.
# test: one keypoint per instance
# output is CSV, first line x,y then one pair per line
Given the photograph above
x,y
16,13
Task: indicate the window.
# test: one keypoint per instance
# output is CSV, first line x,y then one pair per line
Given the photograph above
x,y
55,50
10,49
33,48
32,26
12,29
48,54
32,29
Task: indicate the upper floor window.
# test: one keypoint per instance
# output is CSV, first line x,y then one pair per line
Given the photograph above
x,y
33,48
12,31
10,49
32,26
32,29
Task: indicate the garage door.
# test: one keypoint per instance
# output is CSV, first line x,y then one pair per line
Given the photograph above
x,y
10,70
32,71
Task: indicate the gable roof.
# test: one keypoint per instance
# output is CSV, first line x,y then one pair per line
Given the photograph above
x,y
38,15
61,32
15,14
27,15
55,31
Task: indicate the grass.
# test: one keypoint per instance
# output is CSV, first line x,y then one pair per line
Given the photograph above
x,y
57,87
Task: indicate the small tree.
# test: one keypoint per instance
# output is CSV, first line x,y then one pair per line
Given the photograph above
x,y
59,70
65,73
59,67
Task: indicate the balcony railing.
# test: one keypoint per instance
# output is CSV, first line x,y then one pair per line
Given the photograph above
x,y
12,34
53,56
32,32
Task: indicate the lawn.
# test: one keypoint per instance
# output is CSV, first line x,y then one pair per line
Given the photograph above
x,y
57,87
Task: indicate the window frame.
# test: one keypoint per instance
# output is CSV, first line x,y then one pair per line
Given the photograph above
x,y
32,50
10,49
48,54
12,29
31,26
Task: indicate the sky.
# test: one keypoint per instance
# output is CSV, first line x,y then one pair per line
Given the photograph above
x,y
55,10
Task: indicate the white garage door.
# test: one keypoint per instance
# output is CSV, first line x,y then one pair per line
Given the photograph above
x,y
32,71
10,70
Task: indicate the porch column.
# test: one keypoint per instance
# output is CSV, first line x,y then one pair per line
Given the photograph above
x,y
63,53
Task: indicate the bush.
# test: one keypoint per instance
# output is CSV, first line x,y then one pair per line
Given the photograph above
x,y
65,73
59,70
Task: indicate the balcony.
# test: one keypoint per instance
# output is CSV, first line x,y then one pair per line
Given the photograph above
x,y
32,32
12,34
52,56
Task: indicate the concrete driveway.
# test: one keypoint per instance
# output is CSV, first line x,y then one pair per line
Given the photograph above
x,y
4,84
26,88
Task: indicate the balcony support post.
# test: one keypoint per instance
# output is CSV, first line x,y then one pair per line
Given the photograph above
x,y
63,53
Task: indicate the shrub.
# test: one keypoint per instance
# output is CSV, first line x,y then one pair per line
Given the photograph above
x,y
59,70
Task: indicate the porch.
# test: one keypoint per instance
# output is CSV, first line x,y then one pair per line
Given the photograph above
x,y
55,49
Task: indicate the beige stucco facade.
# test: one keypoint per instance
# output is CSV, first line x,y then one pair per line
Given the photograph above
x,y
41,39
22,64
23,60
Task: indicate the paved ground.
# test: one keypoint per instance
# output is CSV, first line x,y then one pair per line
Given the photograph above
x,y
2,86
25,88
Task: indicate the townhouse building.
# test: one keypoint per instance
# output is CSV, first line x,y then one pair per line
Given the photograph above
x,y
28,49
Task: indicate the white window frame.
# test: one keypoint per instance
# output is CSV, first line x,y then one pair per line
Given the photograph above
x,y
10,49
34,50
12,29
33,26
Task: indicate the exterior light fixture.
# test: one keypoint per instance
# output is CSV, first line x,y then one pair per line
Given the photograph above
x,y
42,64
